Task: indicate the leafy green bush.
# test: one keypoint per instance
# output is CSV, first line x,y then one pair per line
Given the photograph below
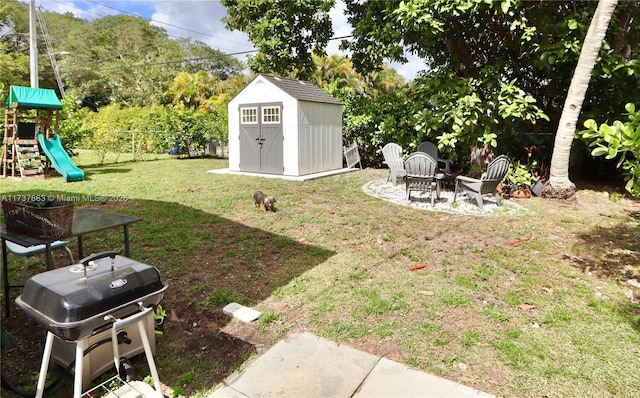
x,y
618,139
191,129
118,130
520,175
70,128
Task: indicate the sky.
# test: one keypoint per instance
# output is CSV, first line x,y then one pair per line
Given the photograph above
x,y
199,20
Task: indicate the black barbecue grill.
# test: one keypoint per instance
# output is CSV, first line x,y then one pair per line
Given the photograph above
x,y
77,301
72,302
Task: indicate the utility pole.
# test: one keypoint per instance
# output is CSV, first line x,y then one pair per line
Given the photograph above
x,y
33,44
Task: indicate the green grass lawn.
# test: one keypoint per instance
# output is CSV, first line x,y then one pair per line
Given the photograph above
x,y
548,316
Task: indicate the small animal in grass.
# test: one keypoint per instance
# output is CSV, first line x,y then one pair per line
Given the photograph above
x,y
264,201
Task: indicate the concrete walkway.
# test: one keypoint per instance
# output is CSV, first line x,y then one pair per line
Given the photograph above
x,y
307,366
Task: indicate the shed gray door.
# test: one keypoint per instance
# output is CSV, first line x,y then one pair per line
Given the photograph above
x,y
261,138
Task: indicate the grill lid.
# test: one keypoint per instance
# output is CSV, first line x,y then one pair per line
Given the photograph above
x,y
66,298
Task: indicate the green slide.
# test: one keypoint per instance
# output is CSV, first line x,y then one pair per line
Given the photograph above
x,y
60,159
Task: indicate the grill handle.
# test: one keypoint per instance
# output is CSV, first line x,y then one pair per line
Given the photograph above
x,y
97,256
121,323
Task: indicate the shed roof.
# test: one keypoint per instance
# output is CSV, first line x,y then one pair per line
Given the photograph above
x,y
28,97
301,90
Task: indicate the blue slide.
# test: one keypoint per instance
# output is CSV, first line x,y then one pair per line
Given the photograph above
x,y
60,159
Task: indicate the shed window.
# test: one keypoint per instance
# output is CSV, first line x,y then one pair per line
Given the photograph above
x,y
271,114
249,115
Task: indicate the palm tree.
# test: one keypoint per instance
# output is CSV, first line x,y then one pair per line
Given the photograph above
x,y
337,71
559,186
193,89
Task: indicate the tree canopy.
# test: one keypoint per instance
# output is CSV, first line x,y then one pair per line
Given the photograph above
x,y
285,32
495,67
115,58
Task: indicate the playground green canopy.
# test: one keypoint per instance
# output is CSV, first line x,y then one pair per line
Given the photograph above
x,y
28,97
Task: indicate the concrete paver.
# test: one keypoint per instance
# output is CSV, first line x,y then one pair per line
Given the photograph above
x,y
393,379
304,365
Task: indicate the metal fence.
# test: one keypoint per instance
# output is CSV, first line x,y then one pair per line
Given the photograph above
x,y
143,143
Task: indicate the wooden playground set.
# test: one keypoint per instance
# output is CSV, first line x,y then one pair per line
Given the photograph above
x,y
31,145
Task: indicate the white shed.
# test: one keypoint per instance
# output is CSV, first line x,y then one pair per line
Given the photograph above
x,y
284,126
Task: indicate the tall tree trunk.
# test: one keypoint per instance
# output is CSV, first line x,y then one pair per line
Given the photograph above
x,y
559,185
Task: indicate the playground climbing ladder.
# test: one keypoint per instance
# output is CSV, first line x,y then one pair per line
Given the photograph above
x,y
28,156
21,154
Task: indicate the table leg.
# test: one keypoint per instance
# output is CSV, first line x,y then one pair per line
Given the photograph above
x,y
80,251
126,241
5,278
50,262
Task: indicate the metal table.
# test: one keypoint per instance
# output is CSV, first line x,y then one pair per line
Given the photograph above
x,y
85,221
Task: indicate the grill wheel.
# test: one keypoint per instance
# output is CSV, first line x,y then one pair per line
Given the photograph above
x,y
126,371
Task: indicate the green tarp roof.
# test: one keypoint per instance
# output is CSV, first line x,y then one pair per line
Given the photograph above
x,y
28,97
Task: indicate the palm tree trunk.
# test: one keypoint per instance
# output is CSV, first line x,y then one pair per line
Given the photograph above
x,y
559,185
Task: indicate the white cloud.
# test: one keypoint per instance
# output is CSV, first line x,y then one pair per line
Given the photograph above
x,y
410,69
200,20
341,27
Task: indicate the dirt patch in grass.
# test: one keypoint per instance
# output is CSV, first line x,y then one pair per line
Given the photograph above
x,y
489,285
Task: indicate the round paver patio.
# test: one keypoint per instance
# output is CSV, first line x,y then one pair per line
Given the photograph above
x,y
464,205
